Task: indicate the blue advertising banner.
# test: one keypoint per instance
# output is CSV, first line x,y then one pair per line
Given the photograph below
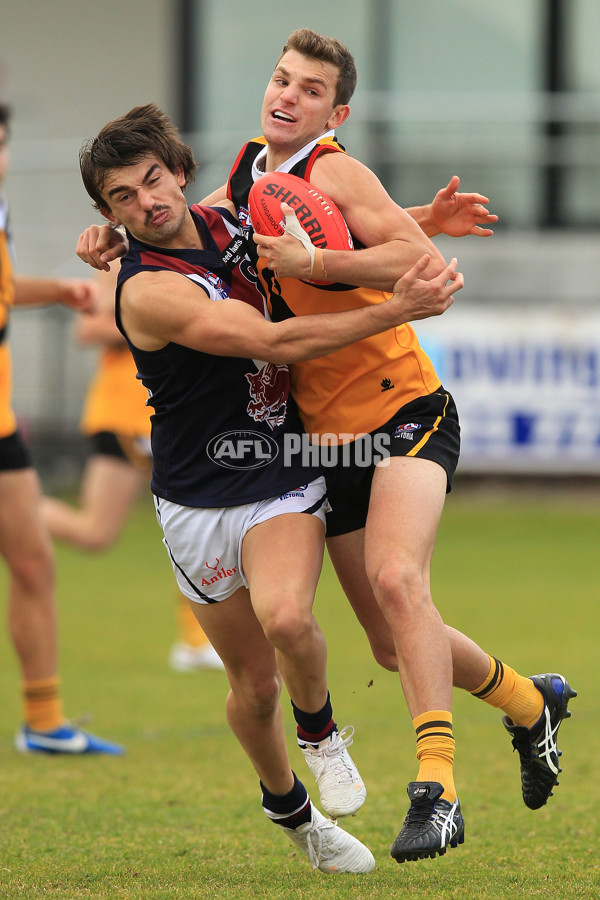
x,y
526,383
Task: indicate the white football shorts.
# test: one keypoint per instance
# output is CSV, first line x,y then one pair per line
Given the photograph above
x,y
205,545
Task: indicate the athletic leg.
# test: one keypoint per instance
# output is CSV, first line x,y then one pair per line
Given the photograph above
x,y
110,487
27,549
282,559
32,620
533,707
347,554
470,664
407,499
254,715
252,705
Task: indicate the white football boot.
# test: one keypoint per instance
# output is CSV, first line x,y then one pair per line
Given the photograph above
x,y
341,788
330,848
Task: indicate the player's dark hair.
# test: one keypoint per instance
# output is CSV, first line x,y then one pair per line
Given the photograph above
x,y
329,50
5,116
125,141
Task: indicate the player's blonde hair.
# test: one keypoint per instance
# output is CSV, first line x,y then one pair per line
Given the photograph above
x,y
330,50
125,141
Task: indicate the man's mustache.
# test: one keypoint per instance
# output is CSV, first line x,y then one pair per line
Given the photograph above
x,y
150,215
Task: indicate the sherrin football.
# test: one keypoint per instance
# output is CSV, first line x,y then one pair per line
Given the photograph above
x,y
316,212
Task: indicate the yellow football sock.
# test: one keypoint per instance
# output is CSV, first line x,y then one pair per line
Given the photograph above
x,y
43,710
435,750
515,695
190,631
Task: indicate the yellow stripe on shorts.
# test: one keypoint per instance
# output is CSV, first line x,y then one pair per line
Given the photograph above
x,y
431,431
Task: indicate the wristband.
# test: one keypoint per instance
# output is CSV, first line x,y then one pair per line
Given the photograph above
x,y
317,272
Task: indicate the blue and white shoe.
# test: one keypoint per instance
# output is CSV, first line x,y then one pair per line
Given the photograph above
x,y
537,748
67,739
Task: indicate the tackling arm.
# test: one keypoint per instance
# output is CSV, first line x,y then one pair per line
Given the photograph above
x,y
162,307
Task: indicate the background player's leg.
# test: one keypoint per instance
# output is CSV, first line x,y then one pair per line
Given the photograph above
x,y
110,488
27,549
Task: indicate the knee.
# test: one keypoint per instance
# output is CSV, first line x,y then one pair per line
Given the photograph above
x,y
95,541
34,572
399,588
258,696
92,533
288,625
384,654
381,640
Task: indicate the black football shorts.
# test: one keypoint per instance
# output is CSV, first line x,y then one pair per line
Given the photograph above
x,y
133,450
14,453
426,428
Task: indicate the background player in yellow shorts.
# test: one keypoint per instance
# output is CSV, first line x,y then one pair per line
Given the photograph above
x,y
25,544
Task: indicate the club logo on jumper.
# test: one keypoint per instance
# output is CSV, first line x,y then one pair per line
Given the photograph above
x,y
217,283
386,385
406,431
244,217
269,388
222,573
299,492
242,450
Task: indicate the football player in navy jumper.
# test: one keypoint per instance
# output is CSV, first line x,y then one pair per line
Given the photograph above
x,y
383,524
242,517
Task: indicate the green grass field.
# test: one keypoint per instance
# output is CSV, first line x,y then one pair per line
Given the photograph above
x,y
179,816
